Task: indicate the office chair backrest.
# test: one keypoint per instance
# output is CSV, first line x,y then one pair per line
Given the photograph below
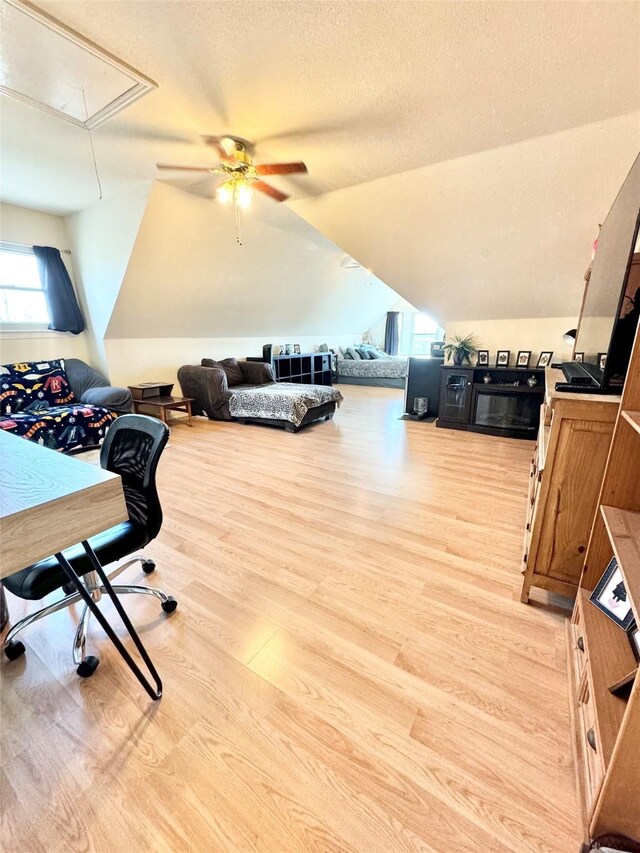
x,y
132,448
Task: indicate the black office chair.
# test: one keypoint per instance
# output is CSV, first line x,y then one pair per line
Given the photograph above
x,y
132,448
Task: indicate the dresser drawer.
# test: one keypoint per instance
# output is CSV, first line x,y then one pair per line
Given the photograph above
x,y
578,641
592,761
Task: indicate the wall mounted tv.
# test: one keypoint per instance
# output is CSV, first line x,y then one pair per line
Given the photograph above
x,y
611,304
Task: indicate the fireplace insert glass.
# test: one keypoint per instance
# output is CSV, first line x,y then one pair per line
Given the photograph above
x,y
516,411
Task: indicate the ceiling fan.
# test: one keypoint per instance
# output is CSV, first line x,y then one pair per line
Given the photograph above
x,y
242,176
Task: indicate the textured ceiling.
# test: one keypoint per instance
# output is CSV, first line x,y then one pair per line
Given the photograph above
x,y
357,90
505,233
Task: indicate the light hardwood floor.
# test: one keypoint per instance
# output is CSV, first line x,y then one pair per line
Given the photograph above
x,y
349,668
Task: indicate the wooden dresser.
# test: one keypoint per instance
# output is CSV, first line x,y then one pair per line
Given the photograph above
x,y
566,473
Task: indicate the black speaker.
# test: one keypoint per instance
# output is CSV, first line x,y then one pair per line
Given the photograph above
x,y
267,352
423,380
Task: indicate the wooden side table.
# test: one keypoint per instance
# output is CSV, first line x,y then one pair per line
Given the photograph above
x,y
164,404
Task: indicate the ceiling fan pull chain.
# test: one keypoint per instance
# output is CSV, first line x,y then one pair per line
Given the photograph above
x,y
236,207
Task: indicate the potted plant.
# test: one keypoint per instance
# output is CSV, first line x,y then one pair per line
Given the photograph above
x,y
461,349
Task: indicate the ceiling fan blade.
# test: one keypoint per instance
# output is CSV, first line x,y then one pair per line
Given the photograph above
x,y
184,168
269,190
281,168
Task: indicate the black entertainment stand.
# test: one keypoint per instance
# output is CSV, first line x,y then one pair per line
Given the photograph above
x,y
506,406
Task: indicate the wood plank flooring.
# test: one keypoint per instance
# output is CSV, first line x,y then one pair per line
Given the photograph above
x,y
349,669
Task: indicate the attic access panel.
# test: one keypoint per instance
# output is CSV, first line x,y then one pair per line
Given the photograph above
x,y
51,67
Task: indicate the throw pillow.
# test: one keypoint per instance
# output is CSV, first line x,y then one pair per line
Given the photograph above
x,y
342,353
363,353
230,367
375,353
351,352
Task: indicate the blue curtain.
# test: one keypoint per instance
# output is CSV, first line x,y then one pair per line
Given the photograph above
x,y
391,333
64,311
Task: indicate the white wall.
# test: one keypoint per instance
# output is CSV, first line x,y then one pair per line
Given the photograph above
x,y
533,333
144,360
34,228
504,233
188,277
190,291
102,238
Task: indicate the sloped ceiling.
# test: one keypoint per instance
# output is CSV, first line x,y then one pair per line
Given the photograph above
x,y
503,233
188,278
464,150
357,90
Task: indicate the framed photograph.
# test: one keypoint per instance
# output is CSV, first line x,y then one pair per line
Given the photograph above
x,y
483,358
602,360
610,596
502,359
296,349
579,357
437,349
544,359
524,357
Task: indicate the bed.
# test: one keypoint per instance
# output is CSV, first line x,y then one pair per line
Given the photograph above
x,y
389,371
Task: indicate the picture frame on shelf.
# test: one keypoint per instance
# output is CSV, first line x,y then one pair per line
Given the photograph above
x,y
634,639
610,596
296,349
602,360
502,358
544,359
524,357
483,358
579,357
436,349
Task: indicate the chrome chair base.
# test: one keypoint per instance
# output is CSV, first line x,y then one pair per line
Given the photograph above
x,y
96,590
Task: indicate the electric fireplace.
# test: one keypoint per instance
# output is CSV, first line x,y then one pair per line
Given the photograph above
x,y
507,410
495,400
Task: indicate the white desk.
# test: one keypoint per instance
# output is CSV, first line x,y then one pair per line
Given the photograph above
x,y
50,502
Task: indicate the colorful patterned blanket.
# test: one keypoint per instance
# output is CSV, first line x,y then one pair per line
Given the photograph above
x,y
38,403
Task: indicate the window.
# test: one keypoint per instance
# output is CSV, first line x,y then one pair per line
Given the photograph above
x,y
425,331
21,295
417,333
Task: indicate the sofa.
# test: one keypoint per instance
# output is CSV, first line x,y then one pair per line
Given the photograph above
x,y
63,404
246,391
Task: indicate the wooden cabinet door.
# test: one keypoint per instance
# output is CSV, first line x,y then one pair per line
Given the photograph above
x,y
574,484
455,395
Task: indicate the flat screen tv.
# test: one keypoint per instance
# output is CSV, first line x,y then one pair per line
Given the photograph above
x,y
611,304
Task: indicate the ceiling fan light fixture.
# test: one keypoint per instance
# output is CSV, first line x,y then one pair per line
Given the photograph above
x,y
244,194
225,192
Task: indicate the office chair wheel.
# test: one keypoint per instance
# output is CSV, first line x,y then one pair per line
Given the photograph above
x,y
88,666
169,605
14,649
148,566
